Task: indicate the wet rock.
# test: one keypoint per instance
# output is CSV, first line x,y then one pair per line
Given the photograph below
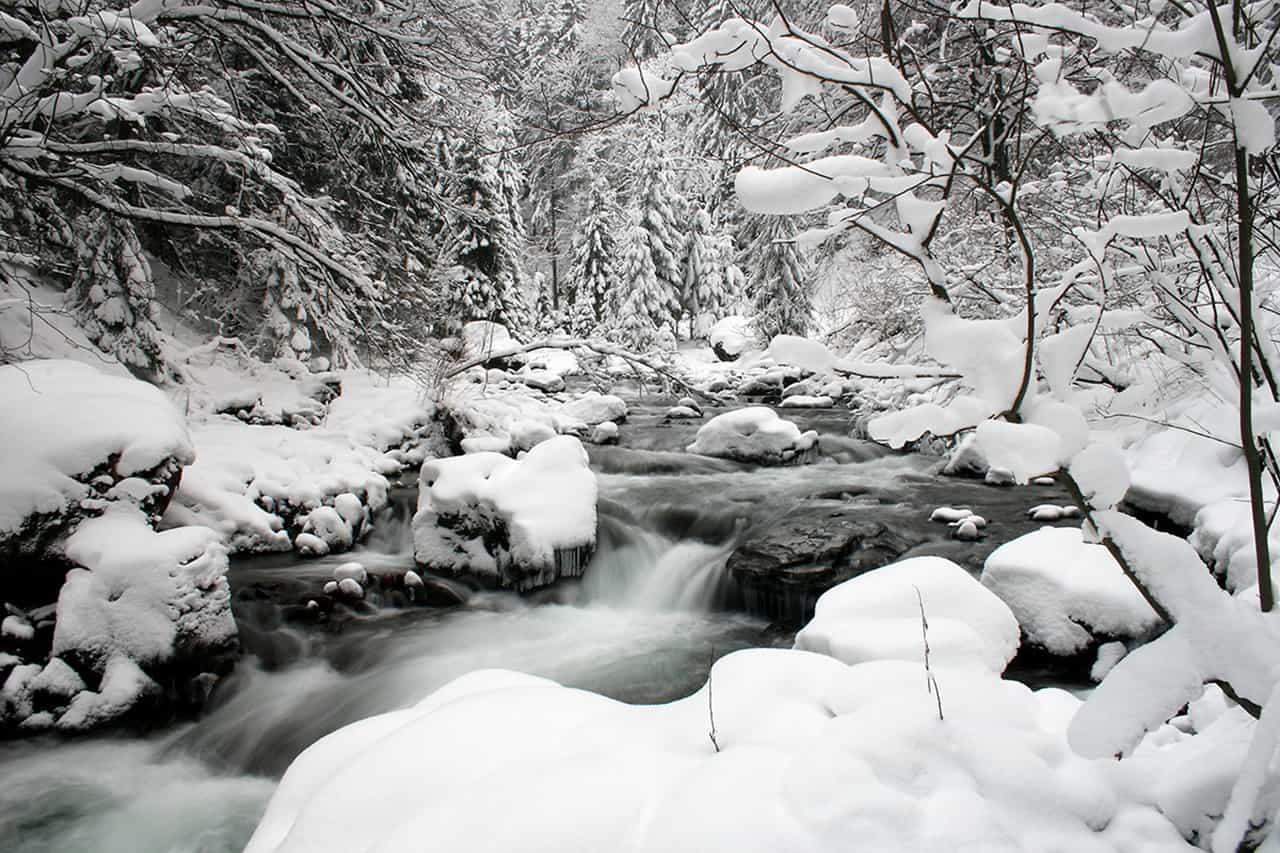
x,y
783,568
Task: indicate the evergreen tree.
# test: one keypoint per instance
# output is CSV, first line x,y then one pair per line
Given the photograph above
x,y
115,289
488,234
656,208
703,263
644,297
642,33
593,273
779,284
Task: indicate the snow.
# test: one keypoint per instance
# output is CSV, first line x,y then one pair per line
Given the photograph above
x,y
142,594
537,506
877,616
753,434
811,753
1065,591
258,484
62,420
594,408
731,335
804,401
801,352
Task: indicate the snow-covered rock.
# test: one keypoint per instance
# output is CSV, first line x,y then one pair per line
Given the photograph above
x,y
782,750
481,338
678,413
593,408
803,401
1066,593
754,434
259,486
77,440
731,337
542,380
516,523
605,433
148,614
877,616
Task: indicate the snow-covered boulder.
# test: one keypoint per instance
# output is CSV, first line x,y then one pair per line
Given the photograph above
x,y
77,440
147,618
520,524
481,338
1066,593
782,750
605,433
754,434
593,408
877,616
730,337
803,401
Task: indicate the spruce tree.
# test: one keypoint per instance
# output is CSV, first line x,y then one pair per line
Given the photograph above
x,y
593,275
779,284
644,298
656,208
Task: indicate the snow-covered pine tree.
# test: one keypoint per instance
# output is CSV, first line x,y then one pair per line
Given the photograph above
x,y
641,32
593,274
703,264
114,292
487,235
583,320
644,298
656,209
779,284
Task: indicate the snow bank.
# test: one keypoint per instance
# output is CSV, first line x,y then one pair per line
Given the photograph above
x,y
272,487
594,408
808,755
76,437
519,523
877,616
754,434
731,337
1066,592
146,609
507,418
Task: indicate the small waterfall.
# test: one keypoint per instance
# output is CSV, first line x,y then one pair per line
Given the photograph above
x,y
637,568
393,528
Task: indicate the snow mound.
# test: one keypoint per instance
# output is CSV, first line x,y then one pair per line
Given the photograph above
x,y
64,424
594,408
877,616
731,337
147,609
808,755
754,434
518,523
1066,592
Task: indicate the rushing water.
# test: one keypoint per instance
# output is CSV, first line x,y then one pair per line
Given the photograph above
x,y
643,626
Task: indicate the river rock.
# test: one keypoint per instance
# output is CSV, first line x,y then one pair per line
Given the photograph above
x,y
784,568
755,434
593,408
677,413
520,524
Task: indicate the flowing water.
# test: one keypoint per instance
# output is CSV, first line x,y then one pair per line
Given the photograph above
x,y
651,614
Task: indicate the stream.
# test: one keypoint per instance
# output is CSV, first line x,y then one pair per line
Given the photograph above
x,y
653,611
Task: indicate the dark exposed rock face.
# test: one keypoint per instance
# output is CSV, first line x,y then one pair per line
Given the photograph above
x,y
785,566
